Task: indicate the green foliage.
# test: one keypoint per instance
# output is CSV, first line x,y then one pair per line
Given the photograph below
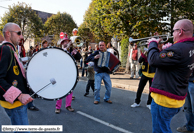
x,y
135,18
124,49
22,14
61,22
94,21
85,33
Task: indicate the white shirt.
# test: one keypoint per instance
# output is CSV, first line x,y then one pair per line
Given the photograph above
x,y
111,50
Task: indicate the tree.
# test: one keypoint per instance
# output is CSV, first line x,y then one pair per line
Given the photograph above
x,y
124,53
137,18
85,33
23,15
61,22
94,20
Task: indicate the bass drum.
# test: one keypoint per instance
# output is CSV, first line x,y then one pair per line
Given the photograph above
x,y
52,64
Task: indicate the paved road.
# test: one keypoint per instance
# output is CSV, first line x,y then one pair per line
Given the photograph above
x,y
102,118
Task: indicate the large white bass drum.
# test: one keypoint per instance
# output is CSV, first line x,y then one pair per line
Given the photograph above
x,y
48,65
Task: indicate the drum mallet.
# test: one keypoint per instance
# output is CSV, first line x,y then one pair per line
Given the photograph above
x,y
52,81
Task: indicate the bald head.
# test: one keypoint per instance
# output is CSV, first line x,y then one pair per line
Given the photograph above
x,y
8,27
186,25
182,29
12,33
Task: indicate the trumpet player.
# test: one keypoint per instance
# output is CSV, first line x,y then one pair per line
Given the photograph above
x,y
173,68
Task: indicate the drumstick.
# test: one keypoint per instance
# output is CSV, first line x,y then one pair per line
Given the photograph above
x,y
52,81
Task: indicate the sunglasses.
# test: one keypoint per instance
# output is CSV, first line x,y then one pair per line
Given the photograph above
x,y
17,32
179,29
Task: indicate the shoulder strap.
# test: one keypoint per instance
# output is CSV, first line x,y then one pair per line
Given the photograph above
x,y
12,54
11,51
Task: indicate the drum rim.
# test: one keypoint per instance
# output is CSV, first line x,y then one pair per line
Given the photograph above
x,y
77,79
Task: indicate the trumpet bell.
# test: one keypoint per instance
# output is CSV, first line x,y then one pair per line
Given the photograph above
x,y
77,41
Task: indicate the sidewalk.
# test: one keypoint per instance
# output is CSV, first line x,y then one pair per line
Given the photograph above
x,y
122,81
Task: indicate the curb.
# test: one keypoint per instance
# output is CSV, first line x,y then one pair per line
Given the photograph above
x,y
120,86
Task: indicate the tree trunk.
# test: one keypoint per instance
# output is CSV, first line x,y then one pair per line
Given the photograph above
x,y
127,69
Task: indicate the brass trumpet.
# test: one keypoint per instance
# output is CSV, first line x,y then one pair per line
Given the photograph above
x,y
143,41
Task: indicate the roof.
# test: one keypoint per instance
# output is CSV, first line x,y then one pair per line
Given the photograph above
x,y
43,15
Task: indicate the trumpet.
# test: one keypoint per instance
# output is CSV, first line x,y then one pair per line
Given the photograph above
x,y
143,41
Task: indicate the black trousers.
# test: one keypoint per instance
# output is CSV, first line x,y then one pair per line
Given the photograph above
x,y
142,84
90,84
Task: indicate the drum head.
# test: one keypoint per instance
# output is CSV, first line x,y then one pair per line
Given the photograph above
x,y
52,64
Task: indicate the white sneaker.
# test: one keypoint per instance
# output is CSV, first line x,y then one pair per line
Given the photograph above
x,y
135,105
149,107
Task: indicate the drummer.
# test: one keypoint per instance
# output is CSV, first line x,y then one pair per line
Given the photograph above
x,y
14,93
66,43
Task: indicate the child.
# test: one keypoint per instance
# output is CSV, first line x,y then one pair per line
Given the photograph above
x,y
90,76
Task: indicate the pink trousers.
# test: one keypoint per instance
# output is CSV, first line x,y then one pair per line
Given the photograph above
x,y
67,100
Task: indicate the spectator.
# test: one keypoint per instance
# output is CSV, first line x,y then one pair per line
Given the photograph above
x,y
84,57
133,59
96,47
110,48
36,48
189,107
30,53
90,77
44,44
90,51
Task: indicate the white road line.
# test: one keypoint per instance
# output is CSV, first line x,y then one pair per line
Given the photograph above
x,y
103,122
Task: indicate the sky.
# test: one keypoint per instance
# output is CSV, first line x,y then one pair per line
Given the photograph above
x,y
76,8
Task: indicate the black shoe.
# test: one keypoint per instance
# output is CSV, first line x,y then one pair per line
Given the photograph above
x,y
86,94
33,108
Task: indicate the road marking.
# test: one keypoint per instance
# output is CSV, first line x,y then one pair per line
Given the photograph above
x,y
103,122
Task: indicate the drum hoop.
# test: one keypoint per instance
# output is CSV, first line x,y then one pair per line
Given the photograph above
x,y
77,79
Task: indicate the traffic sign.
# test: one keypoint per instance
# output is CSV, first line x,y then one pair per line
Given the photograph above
x,y
61,35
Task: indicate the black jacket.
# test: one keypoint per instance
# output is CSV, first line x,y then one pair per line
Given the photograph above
x,y
7,76
145,65
173,68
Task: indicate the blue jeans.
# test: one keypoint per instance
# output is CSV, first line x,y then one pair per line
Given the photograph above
x,y
161,118
18,116
81,62
189,107
106,78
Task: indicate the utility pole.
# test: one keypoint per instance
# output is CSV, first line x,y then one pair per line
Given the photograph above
x,y
2,6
